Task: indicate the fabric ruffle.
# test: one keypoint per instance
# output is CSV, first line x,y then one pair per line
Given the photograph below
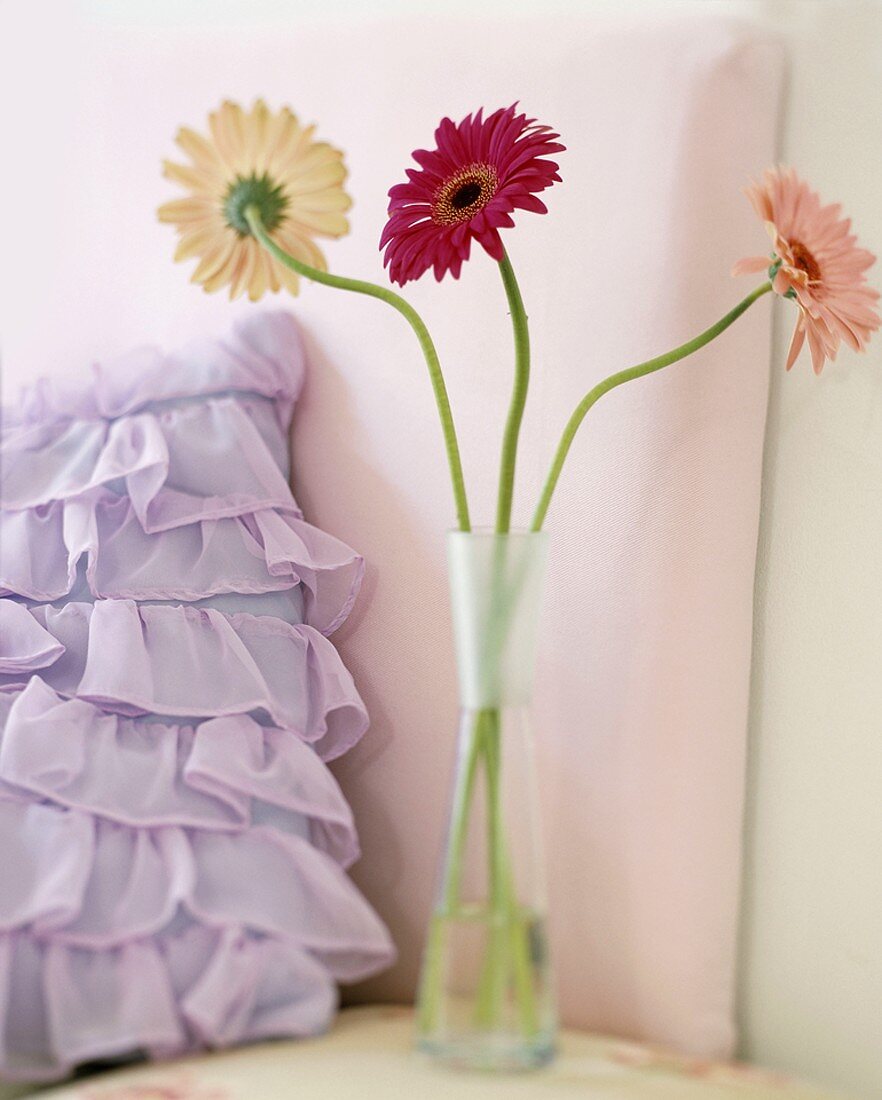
x,y
226,775
24,645
263,355
61,1006
116,940
87,882
174,846
187,463
266,551
160,938
186,662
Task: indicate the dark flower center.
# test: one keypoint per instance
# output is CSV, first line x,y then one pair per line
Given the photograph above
x,y
466,195
463,194
260,191
805,261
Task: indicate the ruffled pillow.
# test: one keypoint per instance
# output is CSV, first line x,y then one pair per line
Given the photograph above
x,y
174,844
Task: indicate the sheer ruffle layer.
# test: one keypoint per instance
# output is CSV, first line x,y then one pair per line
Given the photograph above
x,y
184,990
267,551
86,882
181,465
186,662
224,775
24,645
263,356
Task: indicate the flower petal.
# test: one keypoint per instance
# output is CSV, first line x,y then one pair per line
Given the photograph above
x,y
275,151
505,147
820,262
796,342
750,265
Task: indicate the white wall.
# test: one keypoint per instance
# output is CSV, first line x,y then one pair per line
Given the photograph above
x,y
812,952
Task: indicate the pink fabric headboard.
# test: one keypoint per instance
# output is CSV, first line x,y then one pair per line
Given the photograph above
x,y
643,685
644,671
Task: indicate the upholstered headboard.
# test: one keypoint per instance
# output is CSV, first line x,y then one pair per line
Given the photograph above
x,y
641,718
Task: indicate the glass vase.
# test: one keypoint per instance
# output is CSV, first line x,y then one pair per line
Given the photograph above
x,y
486,996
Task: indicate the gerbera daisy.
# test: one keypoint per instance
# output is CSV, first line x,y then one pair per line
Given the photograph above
x,y
465,189
816,261
268,160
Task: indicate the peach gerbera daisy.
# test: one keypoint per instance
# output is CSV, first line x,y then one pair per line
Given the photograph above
x,y
263,159
816,261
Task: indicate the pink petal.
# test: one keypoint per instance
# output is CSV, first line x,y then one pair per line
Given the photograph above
x,y
816,348
750,265
796,342
507,141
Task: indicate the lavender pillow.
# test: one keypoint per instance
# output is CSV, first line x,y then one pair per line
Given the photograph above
x,y
174,846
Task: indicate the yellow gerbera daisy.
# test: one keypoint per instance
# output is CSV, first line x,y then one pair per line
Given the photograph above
x,y
263,159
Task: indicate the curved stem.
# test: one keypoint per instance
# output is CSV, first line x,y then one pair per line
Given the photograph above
x,y
359,286
518,396
614,380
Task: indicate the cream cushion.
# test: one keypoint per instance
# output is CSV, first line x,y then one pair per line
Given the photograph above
x,y
369,1055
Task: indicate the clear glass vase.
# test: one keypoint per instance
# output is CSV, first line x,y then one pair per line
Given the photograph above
x,y
486,995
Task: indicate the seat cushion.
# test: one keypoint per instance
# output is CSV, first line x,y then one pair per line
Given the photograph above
x,y
369,1055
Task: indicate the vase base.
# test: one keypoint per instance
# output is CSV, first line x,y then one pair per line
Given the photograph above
x,y
491,1053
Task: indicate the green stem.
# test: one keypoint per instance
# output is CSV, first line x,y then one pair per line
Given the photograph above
x,y
518,396
496,960
430,991
359,286
614,380
521,963
507,953
462,812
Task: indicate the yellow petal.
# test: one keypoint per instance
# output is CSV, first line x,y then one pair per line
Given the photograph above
x,y
257,128
202,182
221,269
197,242
272,272
302,141
303,161
199,149
259,281
334,199
301,247
240,276
184,210
290,279
296,151
284,133
325,224
330,174
227,130
213,260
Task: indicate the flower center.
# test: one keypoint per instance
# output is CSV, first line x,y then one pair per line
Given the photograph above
x,y
462,195
260,191
805,261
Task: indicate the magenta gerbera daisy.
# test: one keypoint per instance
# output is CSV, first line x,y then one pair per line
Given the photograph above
x,y
466,189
